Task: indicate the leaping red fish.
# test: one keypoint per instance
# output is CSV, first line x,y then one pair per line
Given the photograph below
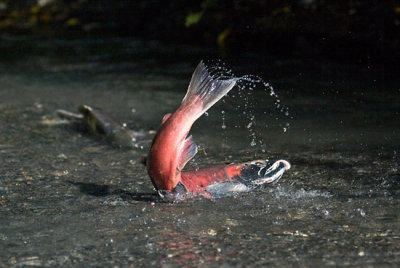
x,y
172,148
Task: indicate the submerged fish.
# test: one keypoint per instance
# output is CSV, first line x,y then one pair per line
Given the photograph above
x,y
98,122
172,148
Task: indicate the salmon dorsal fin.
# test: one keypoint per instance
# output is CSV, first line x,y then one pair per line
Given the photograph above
x,y
210,89
188,151
165,118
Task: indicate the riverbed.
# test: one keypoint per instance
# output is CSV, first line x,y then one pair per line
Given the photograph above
x,y
70,198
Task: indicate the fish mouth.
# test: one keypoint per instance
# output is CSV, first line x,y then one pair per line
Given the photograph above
x,y
253,175
179,193
258,173
273,173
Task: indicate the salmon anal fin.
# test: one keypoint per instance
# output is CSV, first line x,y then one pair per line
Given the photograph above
x,y
188,151
165,118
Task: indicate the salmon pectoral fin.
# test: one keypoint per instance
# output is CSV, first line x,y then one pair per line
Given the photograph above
x,y
188,151
208,88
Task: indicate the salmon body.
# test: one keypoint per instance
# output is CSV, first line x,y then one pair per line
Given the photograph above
x,y
172,148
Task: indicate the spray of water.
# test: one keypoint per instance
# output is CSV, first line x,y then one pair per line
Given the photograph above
x,y
248,103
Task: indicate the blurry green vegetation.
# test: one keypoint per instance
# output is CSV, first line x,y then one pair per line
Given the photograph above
x,y
336,28
193,18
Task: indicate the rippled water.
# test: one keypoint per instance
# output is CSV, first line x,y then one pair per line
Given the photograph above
x,y
68,198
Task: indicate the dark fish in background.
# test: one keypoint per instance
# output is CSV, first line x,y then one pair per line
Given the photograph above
x,y
99,123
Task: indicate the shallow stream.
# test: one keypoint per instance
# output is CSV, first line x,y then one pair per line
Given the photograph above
x,y
69,198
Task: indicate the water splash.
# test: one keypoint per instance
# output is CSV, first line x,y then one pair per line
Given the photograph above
x,y
248,102
250,87
223,120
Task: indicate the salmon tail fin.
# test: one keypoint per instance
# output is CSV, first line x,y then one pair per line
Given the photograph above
x,y
188,151
210,89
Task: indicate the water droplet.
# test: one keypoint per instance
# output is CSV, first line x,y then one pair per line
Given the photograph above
x,y
362,212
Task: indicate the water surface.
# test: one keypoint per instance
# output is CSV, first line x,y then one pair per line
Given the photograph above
x,y
68,198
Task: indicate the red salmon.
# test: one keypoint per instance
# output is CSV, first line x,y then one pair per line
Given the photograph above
x,y
172,148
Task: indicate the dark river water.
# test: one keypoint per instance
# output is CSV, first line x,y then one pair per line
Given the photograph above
x,y
69,198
